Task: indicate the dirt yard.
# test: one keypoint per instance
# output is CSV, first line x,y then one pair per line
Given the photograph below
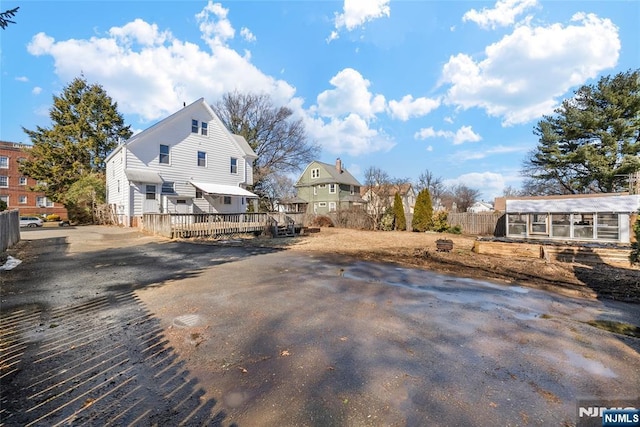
x,y
419,250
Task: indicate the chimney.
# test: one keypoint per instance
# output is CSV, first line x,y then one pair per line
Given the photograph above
x,y
339,165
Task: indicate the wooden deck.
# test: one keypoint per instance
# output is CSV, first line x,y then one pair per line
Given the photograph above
x,y
205,225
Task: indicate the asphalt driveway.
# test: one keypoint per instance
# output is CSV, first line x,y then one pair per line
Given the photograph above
x,y
104,326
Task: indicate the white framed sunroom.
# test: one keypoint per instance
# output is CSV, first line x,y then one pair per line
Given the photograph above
x,y
593,218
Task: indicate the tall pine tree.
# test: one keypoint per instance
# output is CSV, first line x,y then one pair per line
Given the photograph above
x,y
86,126
592,142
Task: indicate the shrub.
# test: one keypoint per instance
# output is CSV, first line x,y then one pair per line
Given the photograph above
x,y
53,217
398,213
322,221
423,212
634,257
440,223
387,222
456,229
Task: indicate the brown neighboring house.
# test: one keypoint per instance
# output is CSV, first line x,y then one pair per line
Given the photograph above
x,y
15,188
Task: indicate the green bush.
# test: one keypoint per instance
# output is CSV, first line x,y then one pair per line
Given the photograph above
x,y
440,223
456,229
322,221
3,205
634,257
423,212
387,222
53,217
398,213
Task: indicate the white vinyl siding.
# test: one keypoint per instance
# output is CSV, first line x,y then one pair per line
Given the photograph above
x,y
176,132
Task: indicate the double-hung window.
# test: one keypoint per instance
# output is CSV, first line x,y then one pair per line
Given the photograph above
x,y
164,154
4,181
315,173
202,159
168,187
22,200
150,192
194,126
4,162
204,129
22,180
234,165
332,188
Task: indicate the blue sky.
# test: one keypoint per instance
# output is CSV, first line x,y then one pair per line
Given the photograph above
x,y
453,87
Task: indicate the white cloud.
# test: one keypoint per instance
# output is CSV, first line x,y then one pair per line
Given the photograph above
x,y
22,79
358,12
216,29
490,184
150,73
351,95
523,74
247,34
462,135
408,107
351,135
341,121
465,155
139,32
37,90
503,14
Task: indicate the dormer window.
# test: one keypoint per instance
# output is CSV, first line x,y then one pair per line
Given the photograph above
x,y
194,126
204,129
315,173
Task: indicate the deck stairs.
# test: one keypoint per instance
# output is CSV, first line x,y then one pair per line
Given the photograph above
x,y
282,226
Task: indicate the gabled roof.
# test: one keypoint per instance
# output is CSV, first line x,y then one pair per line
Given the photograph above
x,y
336,177
389,189
186,111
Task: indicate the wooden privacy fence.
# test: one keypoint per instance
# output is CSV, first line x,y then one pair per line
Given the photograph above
x,y
489,223
9,229
174,225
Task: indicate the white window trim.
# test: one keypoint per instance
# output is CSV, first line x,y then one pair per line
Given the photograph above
x,y
315,173
6,179
168,154
332,188
4,165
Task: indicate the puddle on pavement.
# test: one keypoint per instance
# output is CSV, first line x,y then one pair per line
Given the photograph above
x,y
593,367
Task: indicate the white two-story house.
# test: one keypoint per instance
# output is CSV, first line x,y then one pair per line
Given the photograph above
x,y
186,163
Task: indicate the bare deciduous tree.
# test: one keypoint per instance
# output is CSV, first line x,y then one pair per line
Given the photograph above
x,y
280,141
379,185
435,185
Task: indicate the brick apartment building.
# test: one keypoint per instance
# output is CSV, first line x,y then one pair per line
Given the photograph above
x,y
15,188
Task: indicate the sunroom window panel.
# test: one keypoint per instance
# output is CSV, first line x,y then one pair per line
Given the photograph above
x,y
583,226
561,225
516,225
539,224
607,226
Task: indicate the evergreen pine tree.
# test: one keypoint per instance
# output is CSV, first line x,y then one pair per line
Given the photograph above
x,y
86,127
398,213
423,212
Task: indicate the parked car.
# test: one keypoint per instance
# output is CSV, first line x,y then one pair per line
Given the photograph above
x,y
30,221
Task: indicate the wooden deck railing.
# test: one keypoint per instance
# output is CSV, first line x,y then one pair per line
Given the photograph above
x,y
174,225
